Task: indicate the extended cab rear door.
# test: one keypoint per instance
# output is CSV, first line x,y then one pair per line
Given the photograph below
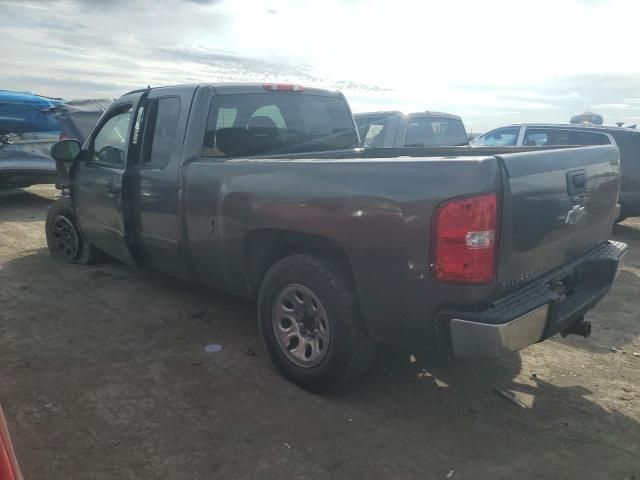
x,y
100,195
155,178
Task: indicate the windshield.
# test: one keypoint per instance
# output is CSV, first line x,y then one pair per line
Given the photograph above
x,y
265,123
435,131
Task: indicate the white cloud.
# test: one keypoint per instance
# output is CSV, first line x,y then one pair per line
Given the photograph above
x,y
613,106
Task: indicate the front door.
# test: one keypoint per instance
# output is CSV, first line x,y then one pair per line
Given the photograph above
x,y
101,207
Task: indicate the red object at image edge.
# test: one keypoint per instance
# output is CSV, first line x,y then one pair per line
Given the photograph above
x,y
8,465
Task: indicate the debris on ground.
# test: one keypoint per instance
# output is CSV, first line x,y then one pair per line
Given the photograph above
x,y
450,474
213,348
412,359
627,389
287,445
510,397
636,354
614,349
251,353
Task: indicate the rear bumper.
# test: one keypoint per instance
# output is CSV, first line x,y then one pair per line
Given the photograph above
x,y
539,310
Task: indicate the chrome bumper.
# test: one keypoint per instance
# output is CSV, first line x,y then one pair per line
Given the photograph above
x,y
536,311
482,340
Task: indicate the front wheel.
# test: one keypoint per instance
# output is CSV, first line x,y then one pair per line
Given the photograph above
x,y
311,325
64,239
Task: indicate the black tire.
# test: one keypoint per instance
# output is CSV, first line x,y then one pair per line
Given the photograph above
x,y
350,351
60,215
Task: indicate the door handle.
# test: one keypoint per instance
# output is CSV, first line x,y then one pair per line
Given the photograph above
x,y
576,182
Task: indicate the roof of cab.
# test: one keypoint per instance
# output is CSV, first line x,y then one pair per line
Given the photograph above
x,y
576,126
426,113
234,88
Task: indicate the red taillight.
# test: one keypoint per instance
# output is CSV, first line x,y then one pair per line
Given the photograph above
x,y
464,239
283,87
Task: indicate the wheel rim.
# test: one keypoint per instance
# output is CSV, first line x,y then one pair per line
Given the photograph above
x,y
65,238
301,325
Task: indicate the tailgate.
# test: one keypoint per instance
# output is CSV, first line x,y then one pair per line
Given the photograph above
x,y
557,205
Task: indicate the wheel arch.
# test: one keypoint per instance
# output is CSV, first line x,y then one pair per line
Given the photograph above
x,y
265,246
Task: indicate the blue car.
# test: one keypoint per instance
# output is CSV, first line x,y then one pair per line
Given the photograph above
x,y
29,126
22,112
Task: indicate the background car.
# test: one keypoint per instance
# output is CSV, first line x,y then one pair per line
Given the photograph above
x,y
538,135
30,125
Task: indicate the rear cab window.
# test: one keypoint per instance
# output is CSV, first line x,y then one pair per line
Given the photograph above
x,y
277,123
435,131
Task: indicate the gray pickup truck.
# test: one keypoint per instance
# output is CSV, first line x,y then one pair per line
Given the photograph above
x,y
257,190
419,129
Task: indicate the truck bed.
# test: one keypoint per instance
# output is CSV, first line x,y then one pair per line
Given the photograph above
x,y
375,207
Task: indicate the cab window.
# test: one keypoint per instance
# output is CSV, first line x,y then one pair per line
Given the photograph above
x,y
110,143
539,137
277,123
160,137
435,132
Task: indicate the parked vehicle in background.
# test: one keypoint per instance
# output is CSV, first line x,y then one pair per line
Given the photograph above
x,y
420,129
77,118
26,113
257,190
587,118
30,125
537,135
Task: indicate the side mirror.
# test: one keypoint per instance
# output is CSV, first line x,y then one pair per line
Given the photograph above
x,y
66,150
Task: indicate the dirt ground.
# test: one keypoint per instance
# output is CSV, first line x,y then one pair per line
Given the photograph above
x,y
104,375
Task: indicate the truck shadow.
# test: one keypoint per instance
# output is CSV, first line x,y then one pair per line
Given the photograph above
x,y
458,403
625,232
107,328
614,319
23,205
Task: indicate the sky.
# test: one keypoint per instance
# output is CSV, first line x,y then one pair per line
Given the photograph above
x,y
493,62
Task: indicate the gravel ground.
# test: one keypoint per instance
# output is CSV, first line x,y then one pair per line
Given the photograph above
x,y
104,375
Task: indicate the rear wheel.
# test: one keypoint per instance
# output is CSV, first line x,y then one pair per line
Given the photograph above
x,y
64,239
311,325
